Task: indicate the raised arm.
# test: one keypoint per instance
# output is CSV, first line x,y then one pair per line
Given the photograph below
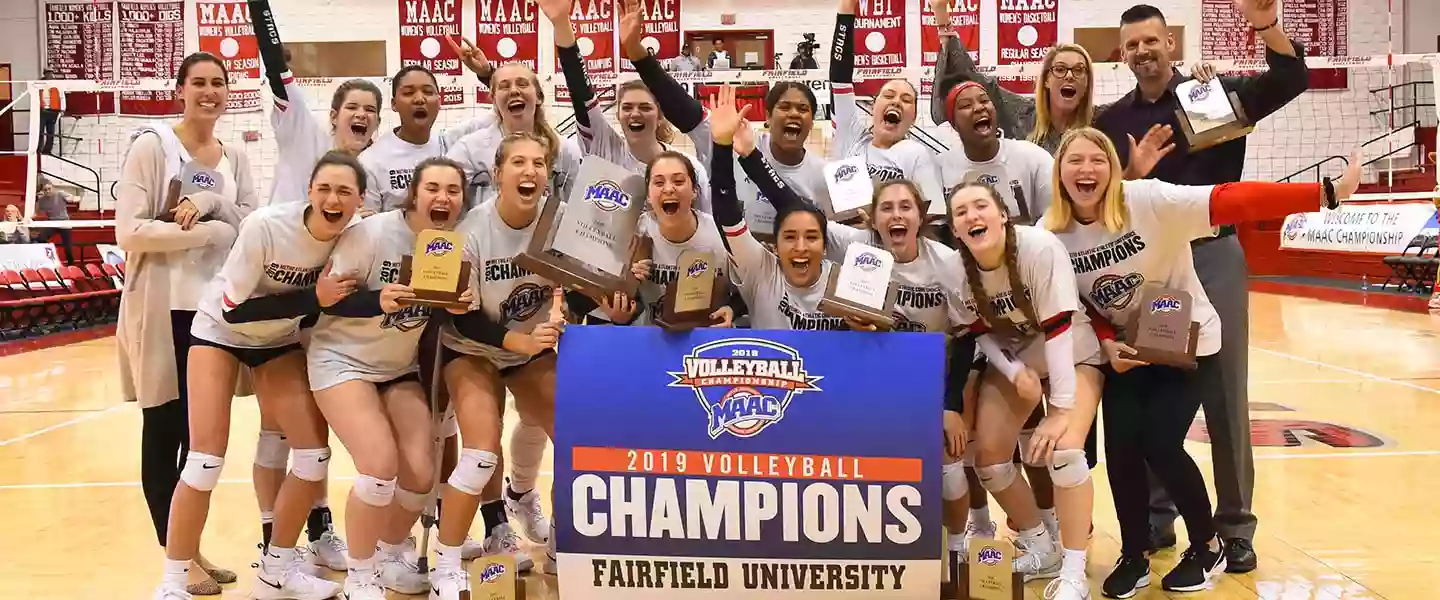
x,y
1287,77
1196,210
954,65
272,52
680,108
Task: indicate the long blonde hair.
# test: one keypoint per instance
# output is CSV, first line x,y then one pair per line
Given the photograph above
x,y
1019,294
1044,122
542,125
1113,212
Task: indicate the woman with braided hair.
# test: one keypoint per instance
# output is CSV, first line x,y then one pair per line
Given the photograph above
x,y
1014,288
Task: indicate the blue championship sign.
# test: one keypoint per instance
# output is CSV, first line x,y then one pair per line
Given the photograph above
x,y
748,464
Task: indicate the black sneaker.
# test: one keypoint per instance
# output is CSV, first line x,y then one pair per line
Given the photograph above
x,y
1240,556
1131,573
1161,538
1194,570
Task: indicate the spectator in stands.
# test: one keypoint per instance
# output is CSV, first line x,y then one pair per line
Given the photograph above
x,y
54,205
718,52
687,61
13,230
52,105
1219,260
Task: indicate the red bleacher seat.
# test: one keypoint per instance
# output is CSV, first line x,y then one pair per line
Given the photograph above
x,y
116,275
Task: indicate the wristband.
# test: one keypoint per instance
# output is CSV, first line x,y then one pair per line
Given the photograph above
x,y
1331,202
1267,27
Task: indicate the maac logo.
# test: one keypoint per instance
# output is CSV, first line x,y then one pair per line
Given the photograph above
x,y
990,555
524,302
1199,92
744,384
606,195
1115,291
989,179
203,179
492,572
439,247
1165,304
845,172
867,261
1294,227
697,269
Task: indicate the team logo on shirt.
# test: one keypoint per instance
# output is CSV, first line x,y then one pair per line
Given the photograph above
x,y
203,179
744,384
606,195
989,179
884,173
1165,304
439,247
867,261
1116,291
524,302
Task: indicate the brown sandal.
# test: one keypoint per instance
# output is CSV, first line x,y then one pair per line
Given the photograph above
x,y
208,587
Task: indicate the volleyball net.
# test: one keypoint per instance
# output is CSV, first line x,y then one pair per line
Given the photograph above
x,y
1380,104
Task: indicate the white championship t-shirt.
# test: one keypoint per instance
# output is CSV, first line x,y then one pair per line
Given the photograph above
x,y
666,254
1154,247
375,349
1018,164
807,177
476,152
274,253
601,139
773,302
907,159
300,141
921,301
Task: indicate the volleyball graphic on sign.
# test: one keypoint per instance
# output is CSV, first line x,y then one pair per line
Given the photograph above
x,y
744,384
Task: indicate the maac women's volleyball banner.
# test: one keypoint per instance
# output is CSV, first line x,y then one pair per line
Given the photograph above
x,y
661,29
748,464
508,31
225,30
594,22
424,25
964,19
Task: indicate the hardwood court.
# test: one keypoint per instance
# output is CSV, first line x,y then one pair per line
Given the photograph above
x,y
1344,403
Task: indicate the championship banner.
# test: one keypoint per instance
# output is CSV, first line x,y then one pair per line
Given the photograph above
x,y
424,25
225,30
1027,30
80,44
152,46
594,22
1372,228
14,257
661,30
508,31
879,42
964,19
748,464
1321,26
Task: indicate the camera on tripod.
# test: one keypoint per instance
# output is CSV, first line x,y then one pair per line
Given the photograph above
x,y
808,46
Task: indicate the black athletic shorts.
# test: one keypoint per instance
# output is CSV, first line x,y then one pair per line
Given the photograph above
x,y
447,355
250,357
380,387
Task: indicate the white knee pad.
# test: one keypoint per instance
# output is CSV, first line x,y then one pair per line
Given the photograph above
x,y
412,501
953,483
1068,468
1024,443
473,471
202,471
271,451
995,478
375,492
311,464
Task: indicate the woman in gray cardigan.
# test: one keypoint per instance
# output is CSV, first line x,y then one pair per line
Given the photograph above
x,y
171,254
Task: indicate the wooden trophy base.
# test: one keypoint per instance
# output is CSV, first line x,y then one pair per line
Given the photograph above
x,y
680,322
1218,135
883,319
1179,360
576,275
434,298
958,588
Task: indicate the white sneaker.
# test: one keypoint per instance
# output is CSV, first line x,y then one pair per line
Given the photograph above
x,y
164,593
1037,557
330,551
502,540
527,514
308,562
550,567
978,530
401,575
959,544
449,585
471,549
292,584
1064,588
410,551
362,585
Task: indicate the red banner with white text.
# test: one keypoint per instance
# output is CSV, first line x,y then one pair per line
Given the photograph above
x,y
507,31
424,27
1319,25
1026,30
879,42
152,45
964,19
594,22
80,44
660,29
225,31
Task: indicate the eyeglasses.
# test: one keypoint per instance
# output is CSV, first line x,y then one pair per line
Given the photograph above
x,y
1060,71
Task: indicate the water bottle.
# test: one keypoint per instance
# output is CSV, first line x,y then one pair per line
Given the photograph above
x,y
1365,283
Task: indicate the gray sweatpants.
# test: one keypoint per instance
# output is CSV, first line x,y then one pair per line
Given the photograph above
x,y
1223,273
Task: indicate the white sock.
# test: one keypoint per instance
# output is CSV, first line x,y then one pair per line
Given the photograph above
x,y
177,573
981,517
361,565
385,550
526,451
276,558
267,516
322,502
1072,565
1047,517
447,558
